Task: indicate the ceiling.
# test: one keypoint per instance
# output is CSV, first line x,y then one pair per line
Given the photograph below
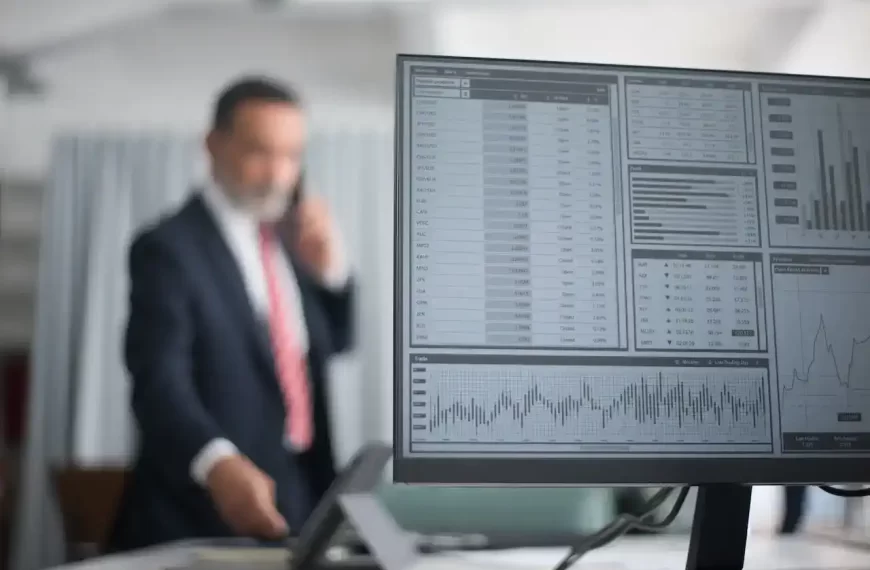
x,y
756,33
31,29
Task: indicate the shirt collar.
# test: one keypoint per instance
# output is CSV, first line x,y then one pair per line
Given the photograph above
x,y
228,214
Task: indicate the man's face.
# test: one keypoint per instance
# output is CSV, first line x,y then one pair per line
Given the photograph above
x,y
257,160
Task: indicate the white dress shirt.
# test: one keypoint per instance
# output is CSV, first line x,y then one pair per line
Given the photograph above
x,y
241,232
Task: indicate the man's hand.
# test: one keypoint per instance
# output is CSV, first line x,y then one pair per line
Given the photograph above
x,y
245,498
316,241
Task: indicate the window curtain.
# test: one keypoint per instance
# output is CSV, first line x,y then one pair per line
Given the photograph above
x,y
100,190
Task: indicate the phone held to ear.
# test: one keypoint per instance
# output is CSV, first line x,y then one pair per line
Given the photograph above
x,y
289,222
298,192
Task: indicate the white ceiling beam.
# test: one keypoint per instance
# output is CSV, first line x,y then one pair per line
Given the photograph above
x,y
778,29
836,43
731,34
29,25
712,33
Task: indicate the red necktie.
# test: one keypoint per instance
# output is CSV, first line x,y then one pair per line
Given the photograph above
x,y
289,360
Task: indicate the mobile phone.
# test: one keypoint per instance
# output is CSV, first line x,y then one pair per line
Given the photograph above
x,y
298,191
289,221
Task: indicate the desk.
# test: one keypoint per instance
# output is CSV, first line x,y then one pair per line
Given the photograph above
x,y
630,553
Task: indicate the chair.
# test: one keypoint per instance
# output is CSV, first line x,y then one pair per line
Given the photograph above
x,y
89,498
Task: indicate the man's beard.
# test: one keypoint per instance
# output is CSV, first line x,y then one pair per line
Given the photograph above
x,y
266,204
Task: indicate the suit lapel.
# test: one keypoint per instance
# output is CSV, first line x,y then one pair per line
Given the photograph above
x,y
229,280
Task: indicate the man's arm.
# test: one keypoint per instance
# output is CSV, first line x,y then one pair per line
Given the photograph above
x,y
318,245
335,293
158,352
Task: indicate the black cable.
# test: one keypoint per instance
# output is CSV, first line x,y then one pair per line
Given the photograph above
x,y
625,522
847,493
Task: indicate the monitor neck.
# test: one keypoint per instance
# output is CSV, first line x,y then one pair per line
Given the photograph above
x,y
720,527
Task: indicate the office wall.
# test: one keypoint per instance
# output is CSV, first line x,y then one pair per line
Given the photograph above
x,y
161,73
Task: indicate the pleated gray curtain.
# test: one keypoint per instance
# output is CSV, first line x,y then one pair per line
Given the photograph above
x,y
100,190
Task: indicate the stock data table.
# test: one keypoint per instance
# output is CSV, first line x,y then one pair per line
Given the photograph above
x,y
513,237
699,301
690,120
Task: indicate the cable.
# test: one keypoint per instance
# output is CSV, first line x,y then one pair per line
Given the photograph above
x,y
625,522
847,493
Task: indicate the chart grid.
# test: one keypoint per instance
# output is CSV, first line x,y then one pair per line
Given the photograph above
x,y
490,406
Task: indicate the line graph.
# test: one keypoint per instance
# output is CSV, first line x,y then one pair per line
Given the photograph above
x,y
609,405
824,373
822,318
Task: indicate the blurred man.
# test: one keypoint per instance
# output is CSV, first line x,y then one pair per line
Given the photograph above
x,y
237,301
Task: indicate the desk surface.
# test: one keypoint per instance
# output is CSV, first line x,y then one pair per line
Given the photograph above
x,y
630,553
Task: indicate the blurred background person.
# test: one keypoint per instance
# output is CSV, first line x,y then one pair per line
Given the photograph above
x,y
794,507
236,302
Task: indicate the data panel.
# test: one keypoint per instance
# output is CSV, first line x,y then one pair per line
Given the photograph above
x,y
699,301
685,205
689,120
817,156
822,319
514,239
496,404
604,261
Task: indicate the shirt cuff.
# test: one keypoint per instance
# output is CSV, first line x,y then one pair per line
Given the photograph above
x,y
208,456
338,274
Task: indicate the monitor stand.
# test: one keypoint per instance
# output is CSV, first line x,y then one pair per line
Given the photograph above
x,y
352,501
719,528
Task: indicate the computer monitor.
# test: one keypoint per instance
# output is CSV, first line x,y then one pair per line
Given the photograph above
x,y
614,275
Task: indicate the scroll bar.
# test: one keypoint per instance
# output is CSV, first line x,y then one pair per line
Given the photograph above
x,y
748,117
761,314
619,219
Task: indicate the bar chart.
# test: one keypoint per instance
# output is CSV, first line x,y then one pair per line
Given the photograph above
x,y
817,157
687,205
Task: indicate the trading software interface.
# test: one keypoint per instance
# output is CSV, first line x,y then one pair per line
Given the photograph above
x,y
605,261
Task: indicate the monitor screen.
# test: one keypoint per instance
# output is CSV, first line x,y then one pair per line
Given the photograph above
x,y
613,275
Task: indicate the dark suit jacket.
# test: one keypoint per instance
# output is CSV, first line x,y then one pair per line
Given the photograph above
x,y
202,368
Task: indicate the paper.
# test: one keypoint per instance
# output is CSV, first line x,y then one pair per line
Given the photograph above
x,y
243,555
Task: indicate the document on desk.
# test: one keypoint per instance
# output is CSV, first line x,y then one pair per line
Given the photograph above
x,y
252,554
224,558
232,558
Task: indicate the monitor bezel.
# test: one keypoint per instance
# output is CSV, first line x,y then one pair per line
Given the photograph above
x,y
597,470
